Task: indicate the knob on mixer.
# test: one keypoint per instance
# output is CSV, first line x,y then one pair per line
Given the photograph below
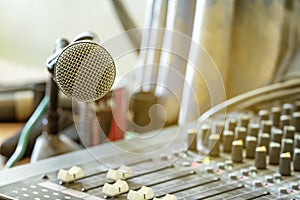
x,y
274,153
231,124
240,134
264,140
289,132
297,141
285,120
266,126
254,129
276,135
244,121
296,120
285,164
205,133
192,139
263,115
275,115
251,143
213,144
260,157
287,108
287,145
227,140
237,151
296,159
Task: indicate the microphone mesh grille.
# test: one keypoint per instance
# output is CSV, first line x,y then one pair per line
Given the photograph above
x,y
85,71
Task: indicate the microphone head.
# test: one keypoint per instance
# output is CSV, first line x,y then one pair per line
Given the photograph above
x,y
85,71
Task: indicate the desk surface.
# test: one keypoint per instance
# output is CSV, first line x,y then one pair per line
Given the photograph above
x,y
7,130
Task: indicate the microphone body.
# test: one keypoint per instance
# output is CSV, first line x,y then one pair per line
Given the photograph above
x,y
84,70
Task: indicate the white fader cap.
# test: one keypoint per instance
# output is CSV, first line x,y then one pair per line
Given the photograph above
x,y
117,188
142,194
70,175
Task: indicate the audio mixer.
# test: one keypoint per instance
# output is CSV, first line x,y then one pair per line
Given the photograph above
x,y
245,155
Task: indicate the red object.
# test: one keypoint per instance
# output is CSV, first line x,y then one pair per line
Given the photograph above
x,y
119,110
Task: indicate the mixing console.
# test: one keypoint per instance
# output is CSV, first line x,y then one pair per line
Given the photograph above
x,y
249,155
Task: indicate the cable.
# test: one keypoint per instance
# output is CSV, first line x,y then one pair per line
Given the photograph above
x,y
22,143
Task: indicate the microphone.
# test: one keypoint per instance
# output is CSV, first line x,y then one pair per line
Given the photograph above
x,y
84,70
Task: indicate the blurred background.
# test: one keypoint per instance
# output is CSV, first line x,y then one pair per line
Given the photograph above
x,y
27,38
29,30
191,56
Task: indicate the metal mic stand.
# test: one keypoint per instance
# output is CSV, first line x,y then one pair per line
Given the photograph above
x,y
51,143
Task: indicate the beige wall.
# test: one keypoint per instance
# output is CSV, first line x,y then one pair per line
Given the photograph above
x,y
28,29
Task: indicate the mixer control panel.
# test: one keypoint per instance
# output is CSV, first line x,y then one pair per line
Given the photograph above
x,y
248,155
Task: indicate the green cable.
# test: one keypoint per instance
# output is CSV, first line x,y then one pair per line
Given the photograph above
x,y
23,140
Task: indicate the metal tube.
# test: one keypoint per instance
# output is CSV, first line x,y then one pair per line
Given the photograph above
x,y
175,49
205,81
